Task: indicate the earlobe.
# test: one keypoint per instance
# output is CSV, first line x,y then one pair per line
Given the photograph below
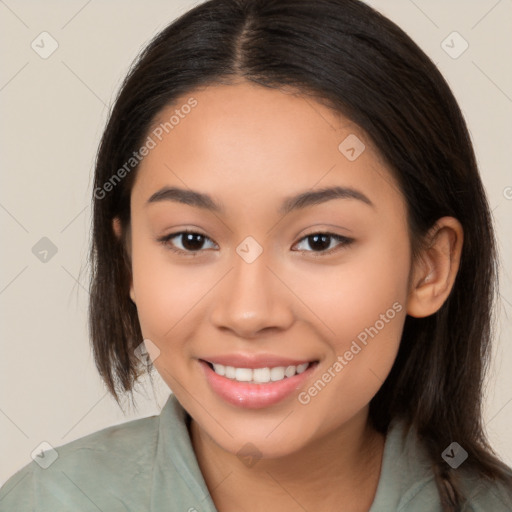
x,y
436,269
118,231
116,226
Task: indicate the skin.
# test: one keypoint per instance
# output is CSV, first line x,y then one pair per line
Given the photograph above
x,y
249,147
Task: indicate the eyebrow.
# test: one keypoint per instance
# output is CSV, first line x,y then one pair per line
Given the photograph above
x,y
299,201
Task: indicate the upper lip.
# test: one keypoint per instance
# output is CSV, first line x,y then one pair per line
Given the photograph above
x,y
255,360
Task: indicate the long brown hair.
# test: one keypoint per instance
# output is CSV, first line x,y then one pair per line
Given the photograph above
x,y
347,55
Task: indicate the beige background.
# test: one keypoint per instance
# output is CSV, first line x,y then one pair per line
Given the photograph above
x,y
53,113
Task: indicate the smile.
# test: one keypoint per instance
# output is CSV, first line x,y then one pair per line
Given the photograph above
x,y
271,382
258,375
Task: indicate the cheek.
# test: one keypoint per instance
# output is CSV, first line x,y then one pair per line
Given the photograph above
x,y
163,291
351,297
172,301
367,313
362,303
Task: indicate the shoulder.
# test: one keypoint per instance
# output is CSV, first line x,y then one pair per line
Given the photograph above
x,y
98,469
408,483
484,497
483,494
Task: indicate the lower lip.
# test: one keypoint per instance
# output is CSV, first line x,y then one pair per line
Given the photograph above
x,y
254,396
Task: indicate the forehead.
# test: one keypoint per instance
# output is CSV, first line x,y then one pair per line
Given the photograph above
x,y
246,141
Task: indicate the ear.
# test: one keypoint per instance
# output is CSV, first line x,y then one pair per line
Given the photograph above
x,y
434,273
116,226
118,232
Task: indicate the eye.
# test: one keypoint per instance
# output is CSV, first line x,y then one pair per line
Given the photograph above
x,y
191,242
321,243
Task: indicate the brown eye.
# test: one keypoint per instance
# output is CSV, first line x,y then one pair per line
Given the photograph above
x,y
321,242
191,243
185,242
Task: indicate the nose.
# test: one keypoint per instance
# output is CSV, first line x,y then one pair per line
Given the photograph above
x,y
251,299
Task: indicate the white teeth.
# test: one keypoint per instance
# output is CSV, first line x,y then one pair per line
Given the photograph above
x,y
243,374
277,373
302,367
290,371
259,375
219,369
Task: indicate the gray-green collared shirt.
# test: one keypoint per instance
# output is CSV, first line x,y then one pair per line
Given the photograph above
x,y
149,465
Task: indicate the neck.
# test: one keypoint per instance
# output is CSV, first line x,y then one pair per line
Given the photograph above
x,y
340,467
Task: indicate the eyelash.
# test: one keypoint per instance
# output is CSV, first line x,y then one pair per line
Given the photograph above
x,y
344,242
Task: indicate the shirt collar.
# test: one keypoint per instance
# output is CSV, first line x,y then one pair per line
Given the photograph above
x,y
177,478
405,469
176,473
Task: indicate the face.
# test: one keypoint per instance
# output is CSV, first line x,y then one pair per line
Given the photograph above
x,y
301,301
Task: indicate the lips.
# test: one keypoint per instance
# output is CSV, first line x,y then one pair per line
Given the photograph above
x,y
256,381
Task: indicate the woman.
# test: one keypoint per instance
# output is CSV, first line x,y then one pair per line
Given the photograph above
x,y
288,211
